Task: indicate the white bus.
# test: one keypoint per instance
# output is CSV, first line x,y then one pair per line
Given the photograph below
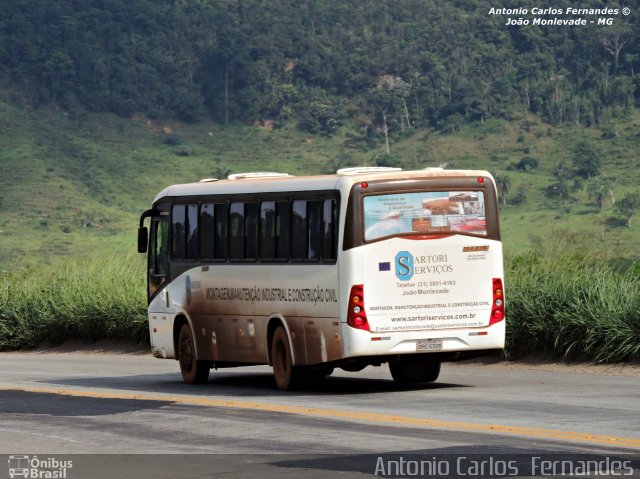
x,y
363,267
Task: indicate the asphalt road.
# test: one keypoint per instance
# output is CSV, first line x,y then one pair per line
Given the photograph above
x,y
130,415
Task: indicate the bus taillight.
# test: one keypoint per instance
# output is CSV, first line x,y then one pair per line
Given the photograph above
x,y
356,315
497,310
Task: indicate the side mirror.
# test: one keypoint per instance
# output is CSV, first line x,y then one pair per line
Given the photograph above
x,y
143,239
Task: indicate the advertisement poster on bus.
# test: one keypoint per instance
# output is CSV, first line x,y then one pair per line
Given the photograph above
x,y
413,285
424,212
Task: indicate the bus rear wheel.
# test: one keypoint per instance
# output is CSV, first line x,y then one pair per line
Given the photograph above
x,y
284,372
193,371
414,370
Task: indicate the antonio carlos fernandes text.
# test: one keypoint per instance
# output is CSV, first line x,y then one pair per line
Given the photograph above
x,y
491,467
554,11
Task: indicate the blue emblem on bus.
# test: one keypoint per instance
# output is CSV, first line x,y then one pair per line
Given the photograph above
x,y
404,266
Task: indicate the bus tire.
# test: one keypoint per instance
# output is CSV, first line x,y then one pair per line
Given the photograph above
x,y
411,370
193,371
284,372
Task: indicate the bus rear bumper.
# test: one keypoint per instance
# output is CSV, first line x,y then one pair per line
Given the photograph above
x,y
444,343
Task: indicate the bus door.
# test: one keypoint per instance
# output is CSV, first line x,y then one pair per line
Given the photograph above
x,y
158,264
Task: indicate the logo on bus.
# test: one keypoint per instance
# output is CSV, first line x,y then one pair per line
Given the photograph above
x,y
404,266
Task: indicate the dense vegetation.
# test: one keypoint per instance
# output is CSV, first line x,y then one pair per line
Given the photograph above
x,y
376,64
567,300
88,300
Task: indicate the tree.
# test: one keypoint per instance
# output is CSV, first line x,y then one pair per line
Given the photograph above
x,y
630,58
527,163
59,71
613,42
565,183
503,183
388,161
601,192
628,206
186,103
560,189
280,101
586,160
451,123
320,116
521,195
403,89
385,105
221,171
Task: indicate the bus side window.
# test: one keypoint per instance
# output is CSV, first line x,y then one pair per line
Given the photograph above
x,y
281,229
206,228
314,226
192,232
299,230
236,231
330,227
178,231
250,230
184,224
274,230
268,230
220,233
307,230
243,231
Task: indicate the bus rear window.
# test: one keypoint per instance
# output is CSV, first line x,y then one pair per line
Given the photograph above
x,y
429,212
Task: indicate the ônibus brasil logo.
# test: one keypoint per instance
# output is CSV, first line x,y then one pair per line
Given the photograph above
x,y
404,266
32,467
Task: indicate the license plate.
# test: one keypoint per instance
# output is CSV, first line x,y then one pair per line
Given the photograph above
x,y
429,345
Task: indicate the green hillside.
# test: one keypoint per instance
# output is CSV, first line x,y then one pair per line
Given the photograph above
x,y
75,186
104,102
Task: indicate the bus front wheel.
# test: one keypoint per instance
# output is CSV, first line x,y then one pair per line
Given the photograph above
x,y
413,370
193,371
284,372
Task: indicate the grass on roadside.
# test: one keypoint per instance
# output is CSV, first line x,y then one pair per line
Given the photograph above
x,y
80,299
571,302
